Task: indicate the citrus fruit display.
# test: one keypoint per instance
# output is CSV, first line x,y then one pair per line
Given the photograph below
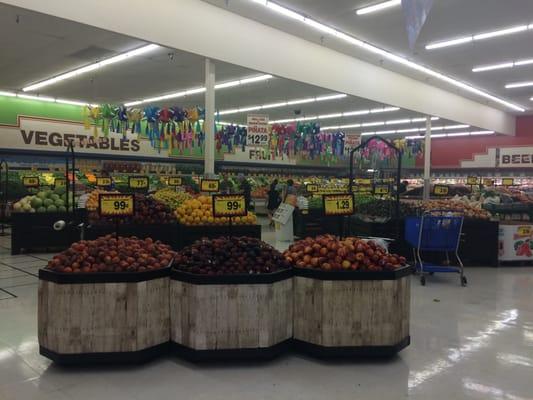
x,y
199,211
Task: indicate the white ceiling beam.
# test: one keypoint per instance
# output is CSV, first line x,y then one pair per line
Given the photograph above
x,y
219,34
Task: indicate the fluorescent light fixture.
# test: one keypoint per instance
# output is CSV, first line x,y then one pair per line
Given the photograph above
x,y
326,116
408,130
458,134
41,98
523,62
301,101
398,121
384,109
456,126
447,43
90,67
378,7
227,84
518,85
414,137
377,123
254,79
319,26
503,65
481,133
501,32
8,94
332,97
439,135
284,11
360,112
350,126
274,105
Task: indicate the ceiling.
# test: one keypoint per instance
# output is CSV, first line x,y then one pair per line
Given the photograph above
x,y
36,47
448,19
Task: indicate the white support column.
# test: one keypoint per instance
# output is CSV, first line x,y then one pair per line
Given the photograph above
x,y
427,159
209,124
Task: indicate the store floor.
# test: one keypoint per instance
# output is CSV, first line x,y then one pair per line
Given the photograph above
x,y
467,343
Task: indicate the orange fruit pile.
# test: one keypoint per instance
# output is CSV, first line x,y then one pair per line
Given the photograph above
x,y
199,211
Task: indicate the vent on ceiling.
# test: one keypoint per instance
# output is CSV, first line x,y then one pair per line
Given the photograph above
x,y
92,53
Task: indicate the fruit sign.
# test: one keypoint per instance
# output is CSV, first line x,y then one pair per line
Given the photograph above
x,y
30,181
103,181
116,205
441,190
229,205
338,204
311,187
60,182
209,185
472,180
174,181
381,189
257,132
138,182
507,181
488,182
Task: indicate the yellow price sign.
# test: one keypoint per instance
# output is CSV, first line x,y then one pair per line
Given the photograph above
x,y
209,185
311,187
229,205
30,181
363,181
381,189
338,204
472,180
60,182
174,181
488,182
103,181
507,181
116,204
441,190
138,182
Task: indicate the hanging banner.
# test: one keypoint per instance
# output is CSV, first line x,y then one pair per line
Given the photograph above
x,y
515,157
258,134
415,13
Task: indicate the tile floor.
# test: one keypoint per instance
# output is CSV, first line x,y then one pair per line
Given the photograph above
x,y
467,343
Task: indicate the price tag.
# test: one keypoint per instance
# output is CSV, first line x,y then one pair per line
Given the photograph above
x,y
209,185
338,204
138,182
488,182
103,181
257,139
229,205
441,190
174,181
525,230
311,187
363,181
30,181
381,189
363,189
116,204
472,180
60,182
507,181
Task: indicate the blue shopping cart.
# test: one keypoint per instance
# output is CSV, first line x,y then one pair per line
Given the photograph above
x,y
435,231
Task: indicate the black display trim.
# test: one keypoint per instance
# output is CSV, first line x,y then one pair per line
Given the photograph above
x,y
353,275
319,351
258,353
102,277
237,279
128,357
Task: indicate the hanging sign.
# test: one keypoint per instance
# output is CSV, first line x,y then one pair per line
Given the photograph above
x,y
229,205
311,188
138,182
508,182
30,181
116,204
174,181
103,181
441,190
338,204
257,132
472,180
209,185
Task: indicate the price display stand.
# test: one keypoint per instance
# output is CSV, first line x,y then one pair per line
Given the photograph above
x,y
473,181
283,218
210,185
339,205
116,205
175,181
139,183
4,179
230,206
441,190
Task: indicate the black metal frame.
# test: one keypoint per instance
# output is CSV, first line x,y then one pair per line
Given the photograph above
x,y
3,201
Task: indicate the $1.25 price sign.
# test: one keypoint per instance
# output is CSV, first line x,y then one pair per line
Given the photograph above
x,y
209,185
229,205
116,204
138,182
30,181
338,204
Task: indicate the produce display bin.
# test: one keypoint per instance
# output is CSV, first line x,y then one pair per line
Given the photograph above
x,y
351,313
36,231
166,233
312,222
103,317
189,234
230,317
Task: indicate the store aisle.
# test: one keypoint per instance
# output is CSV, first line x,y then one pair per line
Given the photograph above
x,y
467,343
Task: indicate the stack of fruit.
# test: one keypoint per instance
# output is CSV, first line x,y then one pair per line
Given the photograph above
x,y
199,211
171,198
230,255
328,252
111,254
464,208
44,201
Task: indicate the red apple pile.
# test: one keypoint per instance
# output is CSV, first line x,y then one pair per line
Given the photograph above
x,y
111,254
328,252
230,256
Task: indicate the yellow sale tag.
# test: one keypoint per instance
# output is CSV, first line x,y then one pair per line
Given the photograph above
x,y
103,181
338,204
363,181
209,185
174,181
311,187
488,182
507,181
60,182
30,181
472,180
116,204
441,190
229,205
381,189
525,230
138,182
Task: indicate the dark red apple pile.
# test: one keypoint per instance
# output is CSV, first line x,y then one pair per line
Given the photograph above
x,y
230,255
328,252
111,254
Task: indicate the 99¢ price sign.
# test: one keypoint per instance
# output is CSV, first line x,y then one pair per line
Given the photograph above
x,y
209,185
338,204
138,182
30,181
116,204
174,181
229,205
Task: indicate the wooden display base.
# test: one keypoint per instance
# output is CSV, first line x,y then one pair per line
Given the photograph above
x,y
226,317
352,312
103,317
350,351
